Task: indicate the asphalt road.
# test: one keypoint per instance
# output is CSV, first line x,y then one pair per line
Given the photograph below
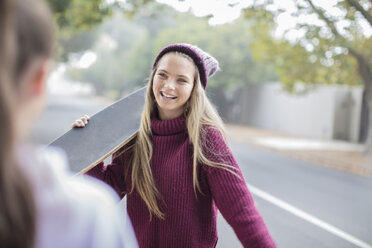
x,y
303,204
337,198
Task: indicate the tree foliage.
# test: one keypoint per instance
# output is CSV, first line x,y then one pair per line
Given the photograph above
x,y
75,20
128,65
335,48
323,54
229,43
121,50
76,15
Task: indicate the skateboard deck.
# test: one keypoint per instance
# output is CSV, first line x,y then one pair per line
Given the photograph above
x,y
107,131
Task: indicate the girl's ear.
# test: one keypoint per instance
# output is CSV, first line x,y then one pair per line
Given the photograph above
x,y
37,77
32,83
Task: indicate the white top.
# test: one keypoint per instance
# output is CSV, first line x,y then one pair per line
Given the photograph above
x,y
72,211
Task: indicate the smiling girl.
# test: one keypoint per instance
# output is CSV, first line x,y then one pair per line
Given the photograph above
x,y
178,169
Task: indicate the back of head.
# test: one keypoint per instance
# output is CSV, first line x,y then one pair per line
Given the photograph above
x,y
34,36
26,33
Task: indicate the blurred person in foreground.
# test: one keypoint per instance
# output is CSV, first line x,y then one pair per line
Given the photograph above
x,y
41,203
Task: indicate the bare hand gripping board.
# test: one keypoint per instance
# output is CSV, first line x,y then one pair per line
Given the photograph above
x,y
107,131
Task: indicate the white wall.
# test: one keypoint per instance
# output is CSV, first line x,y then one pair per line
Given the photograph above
x,y
327,112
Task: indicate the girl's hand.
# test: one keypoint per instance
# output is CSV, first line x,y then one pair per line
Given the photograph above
x,y
81,122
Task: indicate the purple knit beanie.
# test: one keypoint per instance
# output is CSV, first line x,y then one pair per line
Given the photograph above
x,y
207,65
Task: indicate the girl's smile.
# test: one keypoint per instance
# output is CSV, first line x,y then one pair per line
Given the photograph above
x,y
167,97
172,85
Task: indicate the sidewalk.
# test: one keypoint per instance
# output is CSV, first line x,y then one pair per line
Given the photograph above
x,y
336,154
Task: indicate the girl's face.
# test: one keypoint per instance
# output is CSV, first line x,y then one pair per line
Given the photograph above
x,y
172,85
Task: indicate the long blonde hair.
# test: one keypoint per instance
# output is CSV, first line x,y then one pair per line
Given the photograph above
x,y
200,115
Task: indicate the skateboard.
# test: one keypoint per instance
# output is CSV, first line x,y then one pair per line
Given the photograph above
x,y
107,131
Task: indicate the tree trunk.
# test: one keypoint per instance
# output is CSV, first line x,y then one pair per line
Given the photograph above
x,y
368,149
363,120
360,8
365,72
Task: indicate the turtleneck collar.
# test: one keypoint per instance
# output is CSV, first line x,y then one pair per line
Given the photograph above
x,y
168,127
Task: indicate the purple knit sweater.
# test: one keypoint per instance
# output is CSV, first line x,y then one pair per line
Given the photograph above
x,y
189,221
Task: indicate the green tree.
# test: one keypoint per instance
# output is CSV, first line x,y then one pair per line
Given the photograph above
x,y
229,43
116,68
127,64
75,20
328,53
79,14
